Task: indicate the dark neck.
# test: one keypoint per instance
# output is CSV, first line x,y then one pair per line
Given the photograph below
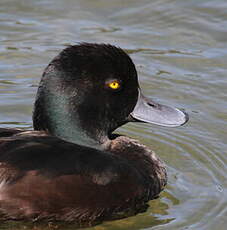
x,y
56,114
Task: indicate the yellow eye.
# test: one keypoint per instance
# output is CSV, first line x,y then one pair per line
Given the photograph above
x,y
114,84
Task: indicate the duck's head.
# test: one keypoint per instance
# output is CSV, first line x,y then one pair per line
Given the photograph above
x,y
89,90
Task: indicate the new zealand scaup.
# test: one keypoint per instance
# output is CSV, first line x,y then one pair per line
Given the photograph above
x,y
71,167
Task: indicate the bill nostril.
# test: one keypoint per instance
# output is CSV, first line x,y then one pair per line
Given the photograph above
x,y
152,105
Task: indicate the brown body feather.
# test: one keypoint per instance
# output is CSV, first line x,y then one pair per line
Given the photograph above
x,y
51,179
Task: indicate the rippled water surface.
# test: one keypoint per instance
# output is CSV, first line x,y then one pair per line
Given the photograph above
x,y
180,50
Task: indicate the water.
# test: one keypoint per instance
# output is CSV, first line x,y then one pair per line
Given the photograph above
x,y
179,48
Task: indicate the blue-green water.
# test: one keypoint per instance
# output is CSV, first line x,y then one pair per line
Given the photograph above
x,y
180,51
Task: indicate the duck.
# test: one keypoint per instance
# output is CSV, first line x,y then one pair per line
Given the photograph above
x,y
72,167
